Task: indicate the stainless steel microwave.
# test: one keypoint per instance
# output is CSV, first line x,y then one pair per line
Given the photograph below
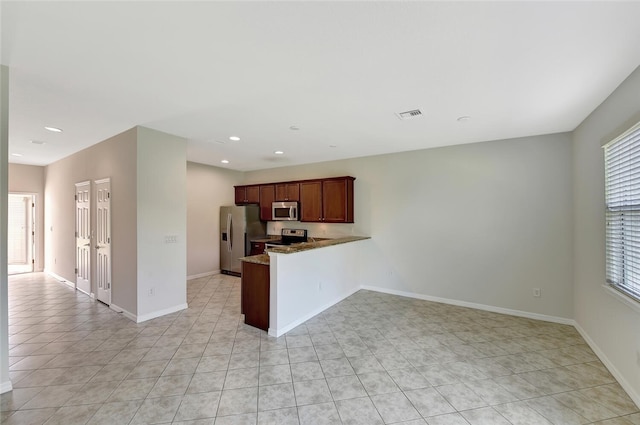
x,y
284,211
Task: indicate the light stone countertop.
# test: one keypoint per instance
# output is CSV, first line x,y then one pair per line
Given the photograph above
x,y
299,247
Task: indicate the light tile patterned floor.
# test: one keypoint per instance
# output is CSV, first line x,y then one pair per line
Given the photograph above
x,y
371,359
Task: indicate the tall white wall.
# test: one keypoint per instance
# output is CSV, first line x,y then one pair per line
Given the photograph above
x,y
208,188
115,158
30,179
604,317
161,214
483,223
5,382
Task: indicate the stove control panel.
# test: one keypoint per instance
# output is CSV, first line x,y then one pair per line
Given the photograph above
x,y
298,233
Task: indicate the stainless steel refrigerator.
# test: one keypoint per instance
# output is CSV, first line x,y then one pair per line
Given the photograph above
x,y
238,225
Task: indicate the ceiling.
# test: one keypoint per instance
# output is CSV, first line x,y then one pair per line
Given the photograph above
x,y
337,71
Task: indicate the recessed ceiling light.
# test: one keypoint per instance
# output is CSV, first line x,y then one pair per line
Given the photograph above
x,y
54,129
222,142
234,138
225,161
16,154
279,152
38,142
294,127
464,118
332,146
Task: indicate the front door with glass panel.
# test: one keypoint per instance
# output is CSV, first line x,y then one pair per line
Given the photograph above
x,y
20,233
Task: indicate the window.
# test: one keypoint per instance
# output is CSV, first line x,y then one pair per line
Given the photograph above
x,y
622,198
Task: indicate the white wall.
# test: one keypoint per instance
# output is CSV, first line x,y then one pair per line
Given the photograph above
x,y
306,286
611,324
208,188
30,179
115,158
5,382
161,213
483,223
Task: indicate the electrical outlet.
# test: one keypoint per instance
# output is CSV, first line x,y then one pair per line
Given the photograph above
x,y
537,292
152,292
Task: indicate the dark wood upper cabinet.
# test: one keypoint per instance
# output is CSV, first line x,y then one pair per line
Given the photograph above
x,y
337,200
267,196
321,201
287,192
327,200
247,194
311,201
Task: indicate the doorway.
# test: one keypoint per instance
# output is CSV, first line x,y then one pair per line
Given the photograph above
x,y
102,189
93,232
83,237
21,233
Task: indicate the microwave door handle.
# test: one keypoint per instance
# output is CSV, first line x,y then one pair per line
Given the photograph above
x,y
293,214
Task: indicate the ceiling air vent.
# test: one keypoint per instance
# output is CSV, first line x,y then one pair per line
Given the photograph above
x,y
407,115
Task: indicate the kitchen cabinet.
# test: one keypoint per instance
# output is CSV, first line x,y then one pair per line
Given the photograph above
x,y
287,192
247,195
327,200
267,196
257,248
254,295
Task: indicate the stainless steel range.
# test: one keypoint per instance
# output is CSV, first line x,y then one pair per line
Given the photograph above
x,y
288,237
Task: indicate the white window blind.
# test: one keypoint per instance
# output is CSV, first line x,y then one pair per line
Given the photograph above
x,y
622,197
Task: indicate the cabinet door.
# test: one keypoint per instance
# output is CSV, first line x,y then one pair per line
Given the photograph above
x,y
311,201
288,192
253,194
241,195
267,196
337,201
257,248
254,295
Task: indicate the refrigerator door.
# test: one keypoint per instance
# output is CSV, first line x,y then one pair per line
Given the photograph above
x,y
238,228
238,225
225,238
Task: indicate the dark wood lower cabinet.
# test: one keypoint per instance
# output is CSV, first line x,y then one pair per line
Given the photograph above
x,y
255,295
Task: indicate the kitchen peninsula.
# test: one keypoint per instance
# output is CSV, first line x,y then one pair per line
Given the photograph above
x,y
291,284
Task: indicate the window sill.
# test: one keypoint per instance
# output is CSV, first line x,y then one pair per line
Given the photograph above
x,y
629,302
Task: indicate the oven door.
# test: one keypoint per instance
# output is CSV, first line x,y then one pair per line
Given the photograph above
x,y
284,211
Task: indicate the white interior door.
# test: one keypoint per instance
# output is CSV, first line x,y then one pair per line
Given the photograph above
x,y
83,237
102,190
20,233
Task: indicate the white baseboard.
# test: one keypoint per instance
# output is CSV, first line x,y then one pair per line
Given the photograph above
x,y
292,325
60,278
519,313
605,360
199,275
5,387
124,312
153,315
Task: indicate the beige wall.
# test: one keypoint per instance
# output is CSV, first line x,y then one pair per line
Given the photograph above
x,y
30,179
610,322
114,158
161,213
208,188
5,382
483,223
